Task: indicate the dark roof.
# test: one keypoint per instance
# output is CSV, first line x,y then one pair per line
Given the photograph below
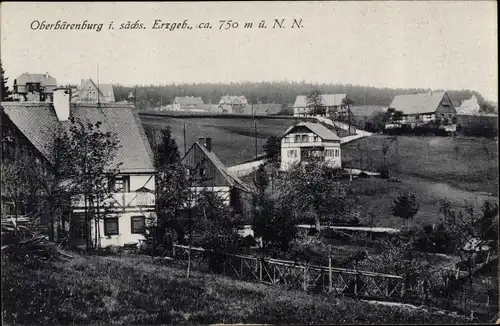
x,y
37,121
316,128
326,99
232,180
44,79
417,103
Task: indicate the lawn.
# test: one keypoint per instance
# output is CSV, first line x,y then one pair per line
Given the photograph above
x,y
129,289
469,164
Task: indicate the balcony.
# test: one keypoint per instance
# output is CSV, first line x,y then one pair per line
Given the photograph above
x,y
123,200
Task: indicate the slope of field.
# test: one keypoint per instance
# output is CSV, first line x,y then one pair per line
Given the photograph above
x,y
233,138
130,289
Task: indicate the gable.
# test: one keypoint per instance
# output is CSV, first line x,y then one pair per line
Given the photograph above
x,y
196,157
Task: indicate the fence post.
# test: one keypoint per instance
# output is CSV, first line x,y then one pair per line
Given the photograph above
x,y
330,270
173,251
305,277
260,269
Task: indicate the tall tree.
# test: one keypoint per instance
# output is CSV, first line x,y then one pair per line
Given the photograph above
x,y
92,153
314,101
5,92
272,147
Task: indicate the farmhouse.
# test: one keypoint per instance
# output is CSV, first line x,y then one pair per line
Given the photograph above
x,y
306,142
34,87
213,176
233,104
89,92
469,107
424,107
188,103
32,125
333,103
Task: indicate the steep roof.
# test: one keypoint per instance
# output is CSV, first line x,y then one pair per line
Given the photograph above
x,y
327,100
105,90
37,121
316,128
43,79
417,103
188,100
232,180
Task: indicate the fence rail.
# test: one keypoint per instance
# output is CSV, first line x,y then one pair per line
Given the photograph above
x,y
300,276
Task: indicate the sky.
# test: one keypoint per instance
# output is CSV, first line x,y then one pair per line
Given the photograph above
x,y
437,45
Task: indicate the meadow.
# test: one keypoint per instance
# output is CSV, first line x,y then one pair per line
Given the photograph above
x,y
130,289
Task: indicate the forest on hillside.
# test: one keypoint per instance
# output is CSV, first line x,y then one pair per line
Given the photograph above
x,y
151,96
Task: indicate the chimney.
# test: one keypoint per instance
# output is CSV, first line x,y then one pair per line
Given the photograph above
x,y
208,143
62,98
201,140
46,75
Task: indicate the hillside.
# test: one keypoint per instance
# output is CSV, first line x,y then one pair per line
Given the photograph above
x,y
130,289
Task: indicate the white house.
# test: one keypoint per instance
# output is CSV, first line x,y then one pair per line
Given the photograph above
x,y
133,189
333,103
306,142
469,107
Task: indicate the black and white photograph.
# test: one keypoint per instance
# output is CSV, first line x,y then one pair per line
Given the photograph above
x,y
249,163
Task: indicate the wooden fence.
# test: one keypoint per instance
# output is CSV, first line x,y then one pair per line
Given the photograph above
x,y
300,276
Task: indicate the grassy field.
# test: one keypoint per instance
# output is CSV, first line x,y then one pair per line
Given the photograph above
x,y
130,289
232,138
466,163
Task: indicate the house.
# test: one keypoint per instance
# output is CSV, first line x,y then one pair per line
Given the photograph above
x,y
34,87
233,104
332,103
424,107
469,107
89,92
307,142
213,176
133,189
188,103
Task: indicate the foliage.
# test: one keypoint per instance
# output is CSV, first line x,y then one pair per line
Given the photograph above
x,y
90,154
272,147
4,91
321,197
314,101
405,206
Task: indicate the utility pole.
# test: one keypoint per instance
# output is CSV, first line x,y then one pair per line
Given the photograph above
x,y
184,131
255,135
161,98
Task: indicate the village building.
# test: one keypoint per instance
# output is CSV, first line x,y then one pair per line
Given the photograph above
x,y
212,175
89,92
188,103
469,107
307,142
34,88
331,103
32,126
423,108
233,104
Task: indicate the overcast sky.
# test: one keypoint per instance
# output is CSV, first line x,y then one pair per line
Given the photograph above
x,y
451,45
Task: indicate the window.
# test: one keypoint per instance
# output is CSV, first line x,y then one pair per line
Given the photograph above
x,y
316,138
337,152
292,153
297,138
202,171
111,226
120,184
304,138
138,224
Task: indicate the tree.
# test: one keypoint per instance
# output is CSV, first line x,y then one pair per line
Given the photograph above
x,y
405,206
5,92
272,147
91,167
314,101
321,197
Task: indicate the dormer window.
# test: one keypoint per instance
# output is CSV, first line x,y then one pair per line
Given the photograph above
x,y
120,184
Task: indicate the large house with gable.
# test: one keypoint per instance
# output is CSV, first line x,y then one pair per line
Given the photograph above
x,y
32,125
424,107
89,92
306,142
332,103
34,87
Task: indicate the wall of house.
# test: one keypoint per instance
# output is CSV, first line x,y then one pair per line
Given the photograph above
x,y
142,180
221,192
